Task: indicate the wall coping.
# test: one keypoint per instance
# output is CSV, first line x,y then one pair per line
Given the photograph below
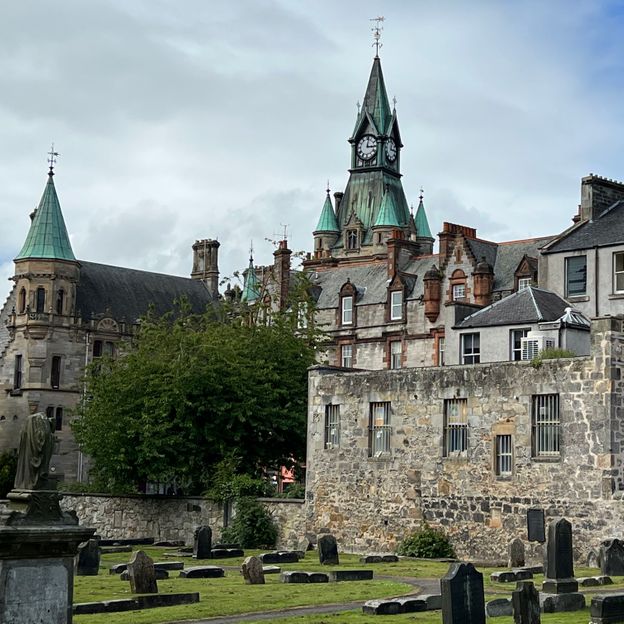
x,y
293,501
163,497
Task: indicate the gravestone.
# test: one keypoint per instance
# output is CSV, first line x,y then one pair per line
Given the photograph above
x,y
89,558
612,557
202,543
536,526
202,572
516,553
593,559
328,550
463,601
607,609
559,559
525,602
252,571
304,545
498,607
142,574
161,575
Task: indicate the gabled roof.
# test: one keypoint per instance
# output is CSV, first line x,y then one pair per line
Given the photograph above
x,y
387,215
129,293
606,230
47,237
529,305
327,221
422,225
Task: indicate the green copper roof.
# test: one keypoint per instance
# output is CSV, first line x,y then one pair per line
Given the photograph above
x,y
47,237
251,288
422,225
387,214
327,222
376,98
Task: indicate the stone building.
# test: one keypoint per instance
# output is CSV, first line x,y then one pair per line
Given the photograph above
x,y
62,313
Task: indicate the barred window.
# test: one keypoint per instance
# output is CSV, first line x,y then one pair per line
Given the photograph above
x,y
379,429
455,426
545,425
503,458
332,426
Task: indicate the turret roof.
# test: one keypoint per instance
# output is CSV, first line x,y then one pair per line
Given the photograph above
x,y
376,98
251,288
422,225
387,214
327,221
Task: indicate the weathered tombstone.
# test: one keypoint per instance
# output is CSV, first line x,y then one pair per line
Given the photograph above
x,y
381,607
516,553
142,574
593,559
202,572
525,602
463,601
202,543
498,607
328,549
560,565
536,526
252,571
89,558
612,557
607,609
161,575
304,545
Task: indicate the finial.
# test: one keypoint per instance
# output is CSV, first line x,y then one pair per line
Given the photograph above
x,y
394,102
376,29
421,193
285,226
412,210
358,106
52,160
327,189
251,250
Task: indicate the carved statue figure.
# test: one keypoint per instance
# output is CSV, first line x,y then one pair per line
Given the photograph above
x,y
35,450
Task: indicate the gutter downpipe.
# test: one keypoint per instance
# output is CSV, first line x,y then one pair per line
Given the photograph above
x,y
596,278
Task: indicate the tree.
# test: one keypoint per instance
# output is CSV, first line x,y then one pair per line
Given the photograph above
x,y
193,391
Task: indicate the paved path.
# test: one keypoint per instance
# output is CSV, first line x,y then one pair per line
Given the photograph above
x,y
421,586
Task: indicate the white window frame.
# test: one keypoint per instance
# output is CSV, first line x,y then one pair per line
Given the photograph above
x,y
523,332
332,426
459,292
379,429
503,455
396,305
568,261
346,306
396,354
545,425
441,348
618,273
455,427
524,282
474,355
346,356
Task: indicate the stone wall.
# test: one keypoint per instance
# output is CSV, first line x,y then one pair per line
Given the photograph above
x,y
173,518
372,502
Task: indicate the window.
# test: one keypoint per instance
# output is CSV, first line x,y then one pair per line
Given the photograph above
x,y
346,356
515,343
97,348
459,292
441,345
302,315
503,457
22,301
470,349
379,429
40,300
455,426
618,272
524,282
352,239
332,426
59,418
17,373
396,305
576,275
49,412
60,299
109,348
545,425
55,377
396,353
347,310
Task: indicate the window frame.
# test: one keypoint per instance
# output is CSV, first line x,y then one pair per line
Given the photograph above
x,y
474,356
379,429
344,310
503,455
55,372
524,282
18,371
344,357
512,349
353,239
568,262
455,289
58,419
441,350
395,360
396,306
545,427
60,301
455,428
40,299
22,305
332,426
616,273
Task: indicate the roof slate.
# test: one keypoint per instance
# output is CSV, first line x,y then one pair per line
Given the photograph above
x,y
508,257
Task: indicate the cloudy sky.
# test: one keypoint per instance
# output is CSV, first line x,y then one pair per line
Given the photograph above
x,y
186,119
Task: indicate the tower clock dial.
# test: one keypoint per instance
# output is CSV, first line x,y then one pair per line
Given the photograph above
x,y
367,147
391,150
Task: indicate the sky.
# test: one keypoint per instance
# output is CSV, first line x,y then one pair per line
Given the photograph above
x,y
178,120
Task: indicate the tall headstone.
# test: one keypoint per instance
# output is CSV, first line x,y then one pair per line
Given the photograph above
x,y
612,557
142,574
559,557
516,553
202,542
328,549
253,571
525,602
89,558
463,601
536,525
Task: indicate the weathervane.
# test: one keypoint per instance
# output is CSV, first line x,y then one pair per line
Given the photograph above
x,y
251,250
377,28
422,190
285,226
327,187
52,160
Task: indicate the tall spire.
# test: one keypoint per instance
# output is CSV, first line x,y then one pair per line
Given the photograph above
x,y
48,237
422,225
251,287
376,98
327,221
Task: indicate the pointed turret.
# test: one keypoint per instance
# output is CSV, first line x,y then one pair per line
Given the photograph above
x,y
47,237
422,225
376,98
251,288
327,221
387,216
327,230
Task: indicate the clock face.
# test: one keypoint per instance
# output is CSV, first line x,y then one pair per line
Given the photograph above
x,y
367,147
391,150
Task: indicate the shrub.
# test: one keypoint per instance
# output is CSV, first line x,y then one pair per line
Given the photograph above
x,y
427,542
553,353
252,526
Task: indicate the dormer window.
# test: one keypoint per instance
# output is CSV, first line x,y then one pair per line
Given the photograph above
x,y
347,310
524,282
396,305
352,239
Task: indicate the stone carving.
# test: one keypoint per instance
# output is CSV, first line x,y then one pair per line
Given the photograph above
x,y
142,574
35,450
525,601
612,557
252,571
516,553
328,549
463,601
202,543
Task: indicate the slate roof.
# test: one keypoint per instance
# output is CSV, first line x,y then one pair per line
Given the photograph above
x,y
128,293
606,230
530,305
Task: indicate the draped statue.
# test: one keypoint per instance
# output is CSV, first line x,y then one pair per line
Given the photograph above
x,y
35,450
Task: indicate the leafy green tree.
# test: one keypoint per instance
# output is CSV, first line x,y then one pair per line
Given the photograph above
x,y
193,391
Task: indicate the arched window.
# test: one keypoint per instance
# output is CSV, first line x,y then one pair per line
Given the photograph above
x,y
22,301
60,300
40,302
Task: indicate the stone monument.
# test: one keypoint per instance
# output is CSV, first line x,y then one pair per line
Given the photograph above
x,y
38,541
463,600
611,557
328,549
202,543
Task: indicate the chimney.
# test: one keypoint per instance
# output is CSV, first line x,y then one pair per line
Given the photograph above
x,y
598,194
393,244
281,268
448,233
337,199
206,264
